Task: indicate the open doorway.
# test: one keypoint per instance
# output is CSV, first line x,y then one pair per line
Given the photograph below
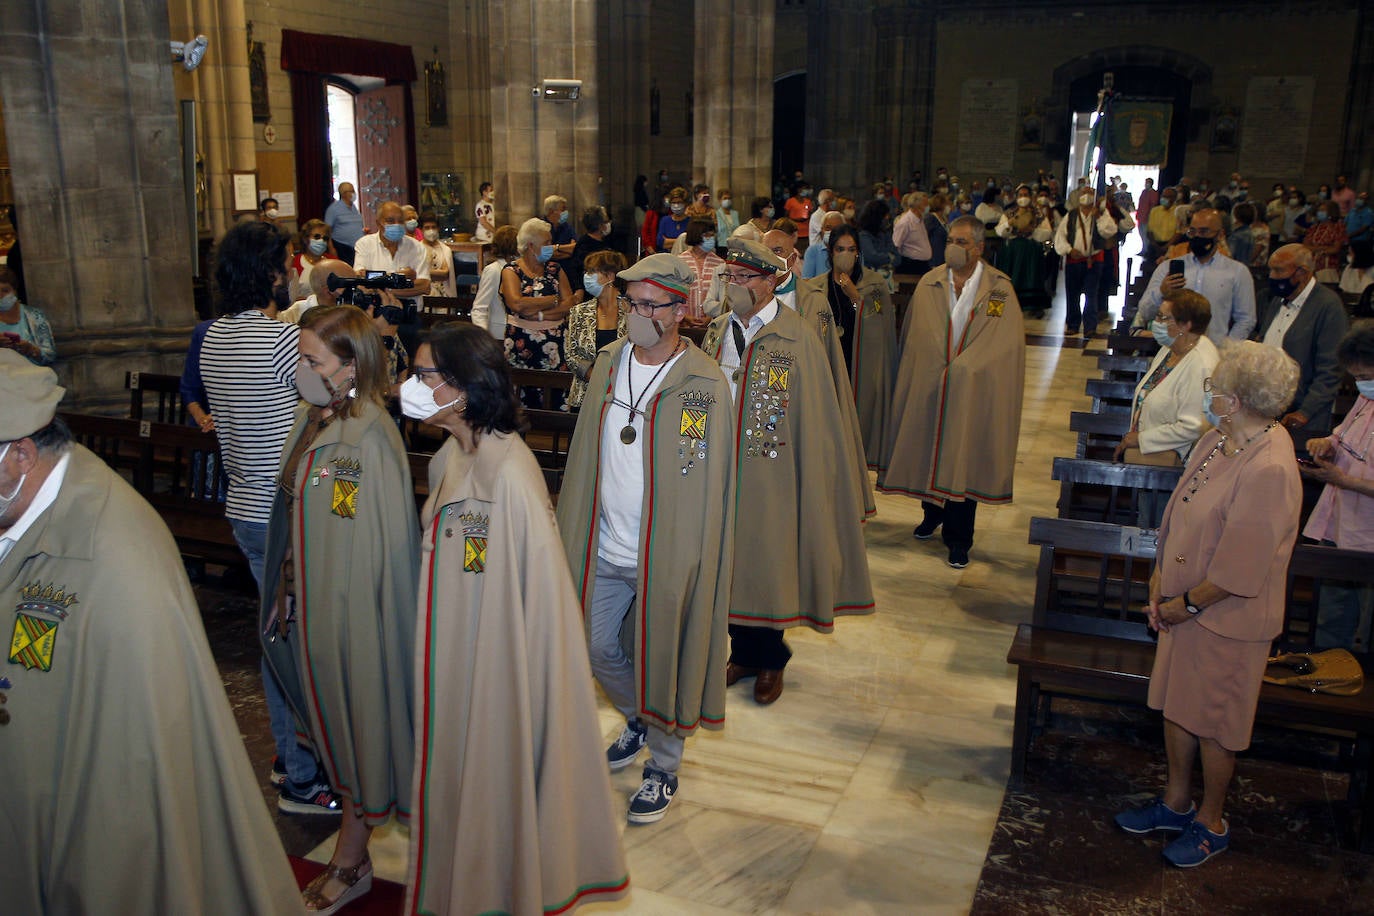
x,y
343,137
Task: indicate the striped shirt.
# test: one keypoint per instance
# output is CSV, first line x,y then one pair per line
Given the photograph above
x,y
248,364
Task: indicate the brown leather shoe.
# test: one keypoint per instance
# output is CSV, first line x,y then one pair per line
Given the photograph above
x,y
736,673
768,687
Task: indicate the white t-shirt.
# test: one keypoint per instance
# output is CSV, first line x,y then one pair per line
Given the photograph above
x,y
622,466
481,233
371,254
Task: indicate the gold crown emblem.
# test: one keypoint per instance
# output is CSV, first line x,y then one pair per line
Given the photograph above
x,y
697,399
53,599
347,464
474,522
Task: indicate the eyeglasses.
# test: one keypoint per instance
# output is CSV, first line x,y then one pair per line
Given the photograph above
x,y
1202,233
739,278
1209,387
422,371
646,307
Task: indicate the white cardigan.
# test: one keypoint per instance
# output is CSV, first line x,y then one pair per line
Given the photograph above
x,y
488,308
1171,417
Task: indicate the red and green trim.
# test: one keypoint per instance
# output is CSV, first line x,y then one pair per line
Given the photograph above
x,y
585,891
418,821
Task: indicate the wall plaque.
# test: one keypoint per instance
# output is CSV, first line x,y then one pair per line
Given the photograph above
x,y
1278,115
989,127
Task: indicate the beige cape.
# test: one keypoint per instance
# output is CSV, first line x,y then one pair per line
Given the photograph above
x,y
513,810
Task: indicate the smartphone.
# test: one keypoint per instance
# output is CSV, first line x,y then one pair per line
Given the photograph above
x,y
1176,266
1306,462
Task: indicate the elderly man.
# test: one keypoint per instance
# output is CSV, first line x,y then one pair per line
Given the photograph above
x,y
956,408
320,293
394,250
909,236
557,216
1081,239
825,203
345,222
127,787
1225,283
662,552
1307,320
788,461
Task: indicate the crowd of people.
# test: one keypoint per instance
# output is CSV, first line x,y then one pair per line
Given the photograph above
x,y
734,387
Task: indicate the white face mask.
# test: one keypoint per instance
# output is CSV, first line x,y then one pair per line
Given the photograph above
x,y
1023,201
273,213
417,400
8,500
431,235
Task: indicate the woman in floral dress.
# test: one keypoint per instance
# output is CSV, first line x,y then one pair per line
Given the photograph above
x,y
538,298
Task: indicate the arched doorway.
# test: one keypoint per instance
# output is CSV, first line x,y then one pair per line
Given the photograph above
x,y
789,125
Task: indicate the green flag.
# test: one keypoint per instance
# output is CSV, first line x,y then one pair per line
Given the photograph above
x,y
1139,132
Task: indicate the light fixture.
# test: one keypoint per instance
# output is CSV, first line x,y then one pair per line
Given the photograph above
x,y
558,90
190,53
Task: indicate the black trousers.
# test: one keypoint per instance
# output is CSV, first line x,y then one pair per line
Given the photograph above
x,y
909,266
1080,283
345,252
956,517
758,647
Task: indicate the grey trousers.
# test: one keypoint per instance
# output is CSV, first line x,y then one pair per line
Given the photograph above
x,y
613,594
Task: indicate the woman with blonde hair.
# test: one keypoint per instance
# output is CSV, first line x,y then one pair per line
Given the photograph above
x,y
338,609
594,322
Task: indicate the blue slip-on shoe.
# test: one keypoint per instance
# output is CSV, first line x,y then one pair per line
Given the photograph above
x,y
626,748
1196,845
1155,816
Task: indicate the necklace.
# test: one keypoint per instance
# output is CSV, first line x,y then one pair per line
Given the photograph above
x,y
1199,478
627,432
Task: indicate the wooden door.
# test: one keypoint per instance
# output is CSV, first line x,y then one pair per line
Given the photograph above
x,y
382,153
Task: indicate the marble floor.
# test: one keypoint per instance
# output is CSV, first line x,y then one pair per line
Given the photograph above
x,y
873,784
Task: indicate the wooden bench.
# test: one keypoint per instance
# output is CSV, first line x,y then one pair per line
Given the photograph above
x,y
1106,491
1088,639
1106,392
167,390
1123,367
1099,433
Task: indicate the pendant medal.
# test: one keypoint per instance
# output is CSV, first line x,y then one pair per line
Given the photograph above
x,y
628,434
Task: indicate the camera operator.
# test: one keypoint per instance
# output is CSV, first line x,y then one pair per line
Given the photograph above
x,y
380,296
320,293
392,249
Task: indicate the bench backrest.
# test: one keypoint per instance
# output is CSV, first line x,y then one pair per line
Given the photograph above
x,y
166,388
1099,432
1105,491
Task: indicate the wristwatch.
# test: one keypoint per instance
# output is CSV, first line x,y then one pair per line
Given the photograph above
x,y
1192,608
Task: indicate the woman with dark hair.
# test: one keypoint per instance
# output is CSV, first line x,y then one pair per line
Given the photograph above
x,y
875,237
23,328
701,259
312,247
338,621
513,799
594,322
861,304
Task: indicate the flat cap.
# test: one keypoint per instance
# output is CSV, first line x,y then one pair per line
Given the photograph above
x,y
31,396
754,255
666,271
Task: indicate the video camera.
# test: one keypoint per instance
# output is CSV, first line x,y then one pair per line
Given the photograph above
x,y
354,293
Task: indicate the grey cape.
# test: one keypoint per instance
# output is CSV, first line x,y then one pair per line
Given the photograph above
x,y
127,787
678,628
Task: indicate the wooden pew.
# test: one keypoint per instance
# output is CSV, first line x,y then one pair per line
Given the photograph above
x,y
1099,433
1105,491
1122,367
1105,392
1087,638
167,389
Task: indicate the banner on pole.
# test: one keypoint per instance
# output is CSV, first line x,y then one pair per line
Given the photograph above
x,y
1138,132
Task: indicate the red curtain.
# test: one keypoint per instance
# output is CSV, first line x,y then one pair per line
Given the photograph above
x,y
309,58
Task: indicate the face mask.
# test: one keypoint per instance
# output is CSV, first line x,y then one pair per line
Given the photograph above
x,y
563,217
1324,195
606,229
708,243
1283,287
768,213
1200,247
545,254
1292,201
417,400
273,213
7,501
805,193
849,216
825,237
318,247
665,201
957,258
393,232
1322,216
318,389
431,235
642,331
1277,193
844,261
677,208
1085,201
1023,201
1364,386
8,302
412,225
1242,194
1168,203
1212,418
1161,334
741,298
592,285
1044,201
726,203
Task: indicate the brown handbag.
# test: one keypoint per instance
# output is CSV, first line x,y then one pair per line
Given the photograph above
x,y
1334,671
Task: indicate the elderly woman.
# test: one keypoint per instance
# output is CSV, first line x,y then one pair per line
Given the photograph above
x,y
861,302
488,311
312,247
1344,514
674,223
339,587
513,799
1166,412
594,322
537,298
1217,593
1327,239
23,328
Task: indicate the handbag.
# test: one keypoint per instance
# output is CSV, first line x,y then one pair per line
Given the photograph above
x,y
1334,671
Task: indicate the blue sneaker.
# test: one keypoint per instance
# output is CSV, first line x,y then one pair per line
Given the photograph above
x,y
626,748
1196,845
655,794
1155,816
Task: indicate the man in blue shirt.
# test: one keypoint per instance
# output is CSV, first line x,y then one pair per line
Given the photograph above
x,y
345,222
1226,283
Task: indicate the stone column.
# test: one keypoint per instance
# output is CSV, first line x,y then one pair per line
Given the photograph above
x,y
538,147
469,93
623,60
840,81
1357,148
733,81
901,116
93,135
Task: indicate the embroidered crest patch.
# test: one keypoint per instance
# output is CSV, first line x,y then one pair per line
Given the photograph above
x,y
345,499
47,599
778,373
693,423
475,531
32,642
995,306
